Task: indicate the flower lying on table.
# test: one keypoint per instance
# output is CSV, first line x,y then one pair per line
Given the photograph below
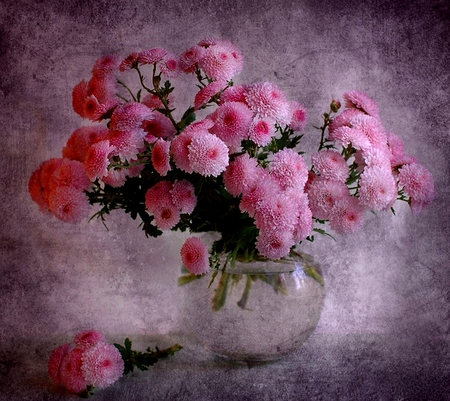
x,y
237,171
92,362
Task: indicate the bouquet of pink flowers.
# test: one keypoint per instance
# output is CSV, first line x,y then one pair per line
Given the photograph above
x,y
237,170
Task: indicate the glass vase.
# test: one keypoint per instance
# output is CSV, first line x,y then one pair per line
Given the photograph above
x,y
256,311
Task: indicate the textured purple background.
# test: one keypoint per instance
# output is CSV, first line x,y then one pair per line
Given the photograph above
x,y
384,332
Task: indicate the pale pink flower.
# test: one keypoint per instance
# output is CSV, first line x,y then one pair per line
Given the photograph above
x,y
55,360
161,156
241,174
360,101
347,215
323,194
68,204
97,161
231,123
205,94
378,189
151,56
267,100
221,61
304,224
158,195
70,372
330,165
289,168
166,216
69,173
106,65
190,57
81,139
350,136
130,116
195,256
298,116
235,93
126,144
418,183
397,149
159,126
377,157
87,338
274,244
102,364
208,155
262,130
183,196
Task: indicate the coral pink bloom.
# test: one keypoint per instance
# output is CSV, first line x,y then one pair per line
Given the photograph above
x,y
55,360
299,116
195,256
208,155
267,100
151,56
70,372
166,216
205,94
158,195
180,150
347,215
360,101
79,95
289,168
130,116
106,66
262,130
241,174
102,87
102,364
96,111
274,244
183,196
81,139
115,177
68,204
87,338
378,189
418,183
129,62
161,156
330,165
69,173
97,161
232,121
190,57
323,194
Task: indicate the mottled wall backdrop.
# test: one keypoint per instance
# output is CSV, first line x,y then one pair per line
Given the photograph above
x,y
391,280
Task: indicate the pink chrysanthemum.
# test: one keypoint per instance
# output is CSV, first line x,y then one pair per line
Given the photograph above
x,y
195,256
81,139
208,155
151,56
190,57
158,196
126,144
262,130
289,168
299,116
79,95
267,100
378,189
360,101
55,360
232,121
87,338
205,94
241,174
130,116
97,161
158,127
330,165
277,213
169,66
95,110
418,183
115,177
347,215
166,216
398,156
129,61
304,224
69,173
102,87
180,150
377,157
154,102
70,373
221,61
106,65
323,194
274,244
68,204
161,156
183,196
350,136
102,365
235,93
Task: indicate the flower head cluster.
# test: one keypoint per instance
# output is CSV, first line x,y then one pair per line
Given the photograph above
x,y
91,361
237,171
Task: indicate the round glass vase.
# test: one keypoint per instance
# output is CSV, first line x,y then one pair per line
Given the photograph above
x,y
256,311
